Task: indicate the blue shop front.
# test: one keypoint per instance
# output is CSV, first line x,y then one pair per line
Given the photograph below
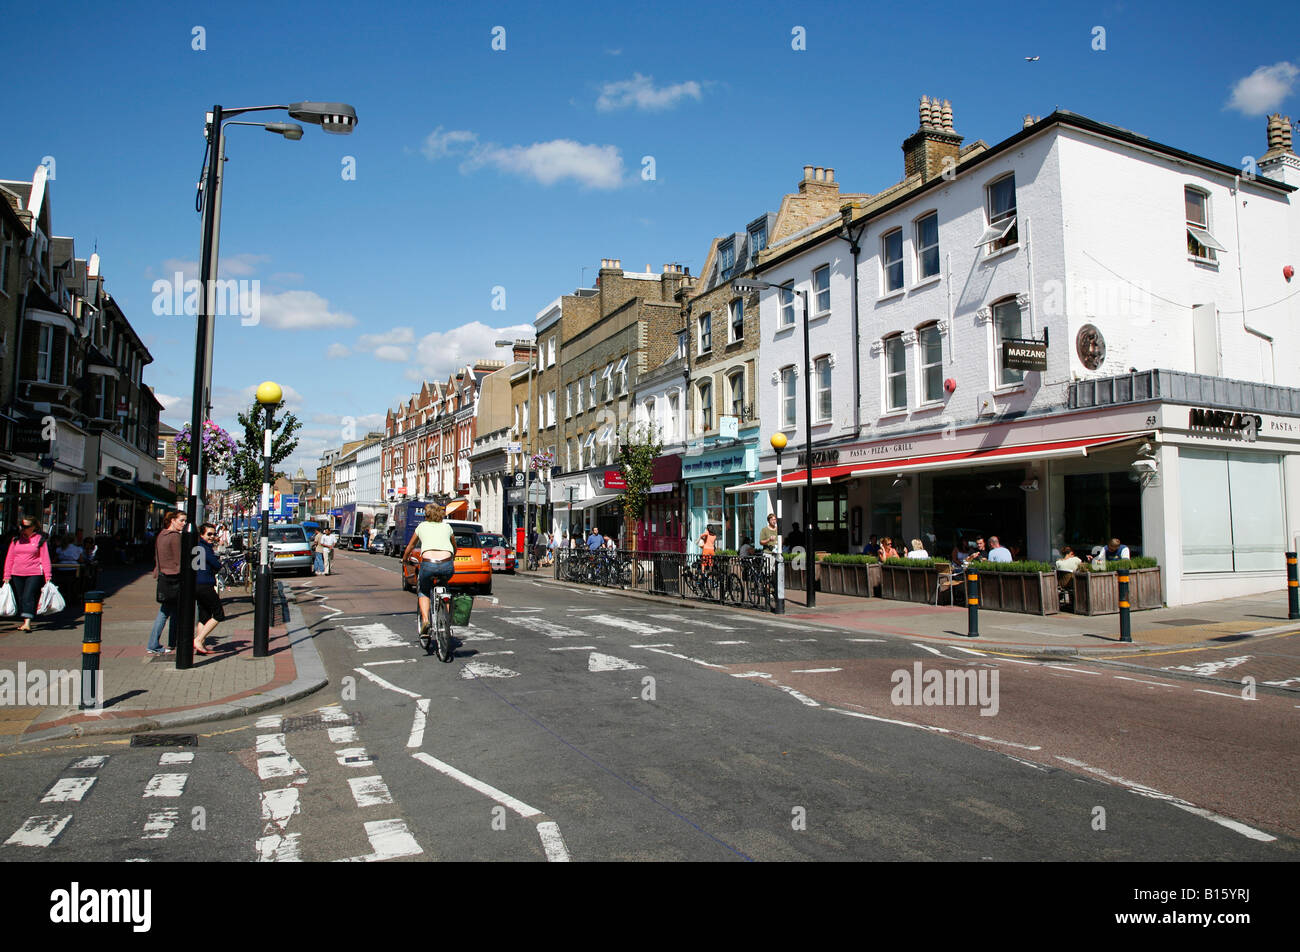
x,y
707,472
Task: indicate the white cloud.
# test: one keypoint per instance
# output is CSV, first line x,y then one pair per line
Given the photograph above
x,y
1265,89
300,310
594,166
640,92
287,277
232,266
392,353
337,350
441,353
398,335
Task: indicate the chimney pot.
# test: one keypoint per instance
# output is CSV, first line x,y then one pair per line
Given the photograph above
x,y
830,175
807,172
819,173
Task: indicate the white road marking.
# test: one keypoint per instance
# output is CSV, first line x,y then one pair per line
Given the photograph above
x,y
872,641
1282,684
603,662
353,757
1143,790
751,674
417,724
475,633
801,698
1208,669
166,785
548,628
369,791
627,624
384,684
39,831
516,611
485,669
933,729
485,654
663,645
270,722
934,651
332,712
375,664
69,789
389,839
1221,694
1060,667
674,654
552,841
274,760
278,806
171,758
489,791
1159,684
573,648
982,654
89,763
342,735
377,635
815,670
795,640
1032,664
160,824
278,848
729,642
792,626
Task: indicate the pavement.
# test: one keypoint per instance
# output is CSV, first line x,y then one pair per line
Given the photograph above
x,y
147,693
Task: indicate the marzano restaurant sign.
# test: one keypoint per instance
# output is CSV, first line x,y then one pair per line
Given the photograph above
x,y
1018,354
1225,423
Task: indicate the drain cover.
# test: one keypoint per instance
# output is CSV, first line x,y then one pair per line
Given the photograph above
x,y
164,740
1184,621
314,722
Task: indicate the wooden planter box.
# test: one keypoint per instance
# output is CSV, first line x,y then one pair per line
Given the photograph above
x,y
1097,593
1031,593
844,578
906,584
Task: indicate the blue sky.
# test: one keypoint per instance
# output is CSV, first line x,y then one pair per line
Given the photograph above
x,y
478,169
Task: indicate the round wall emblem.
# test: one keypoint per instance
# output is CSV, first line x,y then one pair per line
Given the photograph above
x,y
1091,347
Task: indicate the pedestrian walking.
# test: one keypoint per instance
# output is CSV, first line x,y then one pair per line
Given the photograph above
x,y
167,570
327,543
27,565
317,554
208,602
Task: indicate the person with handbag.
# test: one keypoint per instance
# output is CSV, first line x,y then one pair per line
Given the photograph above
x,y
167,570
27,566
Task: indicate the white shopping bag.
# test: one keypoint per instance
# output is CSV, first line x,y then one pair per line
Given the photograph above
x,y
51,602
8,606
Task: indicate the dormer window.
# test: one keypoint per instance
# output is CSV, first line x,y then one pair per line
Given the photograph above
x,y
757,241
727,258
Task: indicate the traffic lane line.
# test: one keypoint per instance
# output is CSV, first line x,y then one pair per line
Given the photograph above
x,y
1235,760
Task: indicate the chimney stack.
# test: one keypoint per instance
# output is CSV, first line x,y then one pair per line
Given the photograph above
x,y
935,145
611,264
1280,161
523,351
818,181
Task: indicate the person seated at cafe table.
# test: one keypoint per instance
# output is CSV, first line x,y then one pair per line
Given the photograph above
x,y
887,550
1068,562
997,551
1116,550
916,551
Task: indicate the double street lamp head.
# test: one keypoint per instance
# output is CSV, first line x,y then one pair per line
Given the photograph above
x,y
290,130
335,117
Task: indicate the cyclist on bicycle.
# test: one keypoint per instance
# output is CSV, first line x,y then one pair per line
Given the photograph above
x,y
437,548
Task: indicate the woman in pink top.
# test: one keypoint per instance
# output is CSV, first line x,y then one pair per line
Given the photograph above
x,y
27,565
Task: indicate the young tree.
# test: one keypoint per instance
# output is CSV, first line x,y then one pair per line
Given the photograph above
x,y
636,455
246,471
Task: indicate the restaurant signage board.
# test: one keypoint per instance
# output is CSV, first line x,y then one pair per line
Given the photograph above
x,y
1021,354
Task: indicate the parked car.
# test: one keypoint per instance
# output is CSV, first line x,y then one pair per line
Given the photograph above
x,y
290,548
378,541
501,555
473,567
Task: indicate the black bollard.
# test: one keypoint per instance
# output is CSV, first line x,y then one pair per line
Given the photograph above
x,y
1292,587
90,640
1125,631
972,604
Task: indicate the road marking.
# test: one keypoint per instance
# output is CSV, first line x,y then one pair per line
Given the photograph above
x,y
166,785
801,698
664,645
1159,684
160,824
369,791
39,831
279,805
1282,684
1208,669
389,839
475,633
795,640
548,628
417,724
674,654
375,664
603,662
489,791
271,722
1145,791
278,848
353,757
171,758
552,841
815,670
342,735
573,648
485,654
1060,667
1237,697
864,641
933,729
627,624
751,674
516,611
384,684
485,669
981,654
934,651
69,789
729,642
274,759
89,763
332,712
378,635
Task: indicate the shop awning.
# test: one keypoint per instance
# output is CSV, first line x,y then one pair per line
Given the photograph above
x,y
139,493
594,501
456,509
821,476
1056,449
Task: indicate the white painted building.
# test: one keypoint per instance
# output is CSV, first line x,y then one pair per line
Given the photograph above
x,y
1156,280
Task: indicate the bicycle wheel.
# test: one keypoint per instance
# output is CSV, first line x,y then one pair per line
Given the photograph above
x,y
730,589
442,628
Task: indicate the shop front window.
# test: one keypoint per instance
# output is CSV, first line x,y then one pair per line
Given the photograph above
x,y
832,519
1232,511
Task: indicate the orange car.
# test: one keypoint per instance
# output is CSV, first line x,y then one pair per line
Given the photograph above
x,y
473,566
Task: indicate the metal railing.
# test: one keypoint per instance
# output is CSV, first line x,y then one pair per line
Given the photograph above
x,y
745,580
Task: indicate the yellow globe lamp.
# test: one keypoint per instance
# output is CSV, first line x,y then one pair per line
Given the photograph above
x,y
269,393
778,440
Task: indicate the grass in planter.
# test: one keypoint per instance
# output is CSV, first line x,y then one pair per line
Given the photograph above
x,y
1023,568
837,558
1141,562
916,563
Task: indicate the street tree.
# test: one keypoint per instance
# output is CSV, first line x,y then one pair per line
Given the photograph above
x,y
245,472
637,450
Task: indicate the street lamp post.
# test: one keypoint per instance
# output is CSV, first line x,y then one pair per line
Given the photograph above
x,y
809,492
337,118
269,396
778,442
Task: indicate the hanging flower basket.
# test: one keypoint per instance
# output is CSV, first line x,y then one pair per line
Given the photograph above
x,y
543,461
218,448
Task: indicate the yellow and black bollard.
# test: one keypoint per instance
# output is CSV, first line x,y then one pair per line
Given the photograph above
x,y
90,640
1292,587
973,604
1125,629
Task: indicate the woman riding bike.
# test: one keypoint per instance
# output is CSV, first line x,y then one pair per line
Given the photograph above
x,y
437,547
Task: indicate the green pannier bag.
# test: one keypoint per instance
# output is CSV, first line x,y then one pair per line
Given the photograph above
x,y
461,606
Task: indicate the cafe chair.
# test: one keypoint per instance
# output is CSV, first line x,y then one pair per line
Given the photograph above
x,y
949,578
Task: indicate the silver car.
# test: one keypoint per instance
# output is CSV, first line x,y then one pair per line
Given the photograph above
x,y
290,549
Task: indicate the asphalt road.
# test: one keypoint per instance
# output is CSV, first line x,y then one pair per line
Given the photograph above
x,y
591,726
